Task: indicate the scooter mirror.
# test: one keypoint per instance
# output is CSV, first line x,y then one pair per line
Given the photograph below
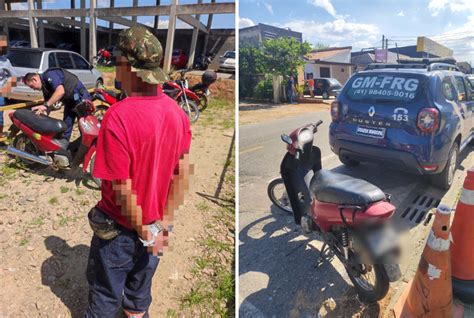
x,y
286,139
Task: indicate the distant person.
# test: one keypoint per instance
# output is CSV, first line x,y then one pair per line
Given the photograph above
x,y
141,141
311,86
57,85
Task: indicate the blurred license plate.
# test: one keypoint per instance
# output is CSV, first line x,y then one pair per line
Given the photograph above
x,y
373,132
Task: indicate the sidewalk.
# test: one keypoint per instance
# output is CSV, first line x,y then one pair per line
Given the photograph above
x,y
259,111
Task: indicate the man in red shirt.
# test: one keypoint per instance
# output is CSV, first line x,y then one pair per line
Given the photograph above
x,y
143,163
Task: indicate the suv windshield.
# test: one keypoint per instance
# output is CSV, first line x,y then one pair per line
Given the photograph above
x,y
25,58
387,87
334,82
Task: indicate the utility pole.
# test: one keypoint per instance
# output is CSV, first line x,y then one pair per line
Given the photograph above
x,y
383,40
386,43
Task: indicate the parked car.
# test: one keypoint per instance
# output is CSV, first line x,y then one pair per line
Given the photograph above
x,y
416,119
325,87
227,62
25,60
179,59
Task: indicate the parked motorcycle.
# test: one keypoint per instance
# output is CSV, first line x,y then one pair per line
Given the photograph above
x,y
201,89
351,215
107,96
104,58
203,62
186,98
38,139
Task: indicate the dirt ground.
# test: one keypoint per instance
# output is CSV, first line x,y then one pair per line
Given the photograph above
x,y
254,112
45,236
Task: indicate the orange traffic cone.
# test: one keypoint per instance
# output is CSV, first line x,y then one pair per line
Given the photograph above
x,y
430,292
462,249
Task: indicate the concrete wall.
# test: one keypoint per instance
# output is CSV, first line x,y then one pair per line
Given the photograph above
x,y
250,36
341,72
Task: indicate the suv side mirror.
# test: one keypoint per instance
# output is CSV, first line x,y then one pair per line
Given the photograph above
x,y
91,67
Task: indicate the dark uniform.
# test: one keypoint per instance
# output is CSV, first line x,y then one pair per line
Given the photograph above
x,y
74,92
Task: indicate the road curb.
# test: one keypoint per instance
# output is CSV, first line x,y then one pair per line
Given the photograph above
x,y
450,199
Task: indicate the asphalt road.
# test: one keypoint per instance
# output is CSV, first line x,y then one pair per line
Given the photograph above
x,y
277,263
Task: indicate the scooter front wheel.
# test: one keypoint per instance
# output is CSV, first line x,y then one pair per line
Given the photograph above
x,y
277,193
191,109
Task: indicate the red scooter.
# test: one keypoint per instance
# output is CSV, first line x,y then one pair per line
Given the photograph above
x,y
350,214
38,139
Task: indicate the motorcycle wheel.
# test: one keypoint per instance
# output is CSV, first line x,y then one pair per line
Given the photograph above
x,y
23,143
97,181
370,280
277,193
191,109
100,112
202,100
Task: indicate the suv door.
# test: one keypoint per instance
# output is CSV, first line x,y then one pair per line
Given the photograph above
x,y
464,102
83,70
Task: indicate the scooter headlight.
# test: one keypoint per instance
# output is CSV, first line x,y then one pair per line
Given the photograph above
x,y
305,136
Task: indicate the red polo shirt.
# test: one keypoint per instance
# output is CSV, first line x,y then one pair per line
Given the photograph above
x,y
142,139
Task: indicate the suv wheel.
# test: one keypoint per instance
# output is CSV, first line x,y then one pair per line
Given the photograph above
x,y
325,95
444,179
348,161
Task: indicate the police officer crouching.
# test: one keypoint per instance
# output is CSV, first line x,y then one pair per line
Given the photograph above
x,y
57,85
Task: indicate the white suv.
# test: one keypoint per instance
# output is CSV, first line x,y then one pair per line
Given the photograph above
x,y
25,60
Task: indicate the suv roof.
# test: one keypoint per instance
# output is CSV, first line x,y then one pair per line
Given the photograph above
x,y
427,67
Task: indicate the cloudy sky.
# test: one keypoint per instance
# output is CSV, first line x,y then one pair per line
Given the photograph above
x,y
362,23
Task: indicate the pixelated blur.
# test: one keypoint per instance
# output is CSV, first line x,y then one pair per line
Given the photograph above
x,y
127,199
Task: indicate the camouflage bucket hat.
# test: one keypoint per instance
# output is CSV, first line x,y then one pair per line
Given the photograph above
x,y
144,52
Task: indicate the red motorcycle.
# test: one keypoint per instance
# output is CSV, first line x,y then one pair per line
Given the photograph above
x,y
104,57
187,99
351,215
38,139
109,97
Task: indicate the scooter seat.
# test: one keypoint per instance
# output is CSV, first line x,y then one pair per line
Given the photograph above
x,y
332,187
40,124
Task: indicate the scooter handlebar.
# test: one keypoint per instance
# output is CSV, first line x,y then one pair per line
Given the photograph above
x,y
318,123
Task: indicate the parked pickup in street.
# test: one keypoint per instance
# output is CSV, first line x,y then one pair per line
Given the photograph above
x,y
417,118
25,60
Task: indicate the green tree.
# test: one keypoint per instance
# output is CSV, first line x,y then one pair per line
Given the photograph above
x,y
284,56
251,65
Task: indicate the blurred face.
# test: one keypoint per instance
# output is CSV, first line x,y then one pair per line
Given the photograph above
x,y
132,84
34,83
